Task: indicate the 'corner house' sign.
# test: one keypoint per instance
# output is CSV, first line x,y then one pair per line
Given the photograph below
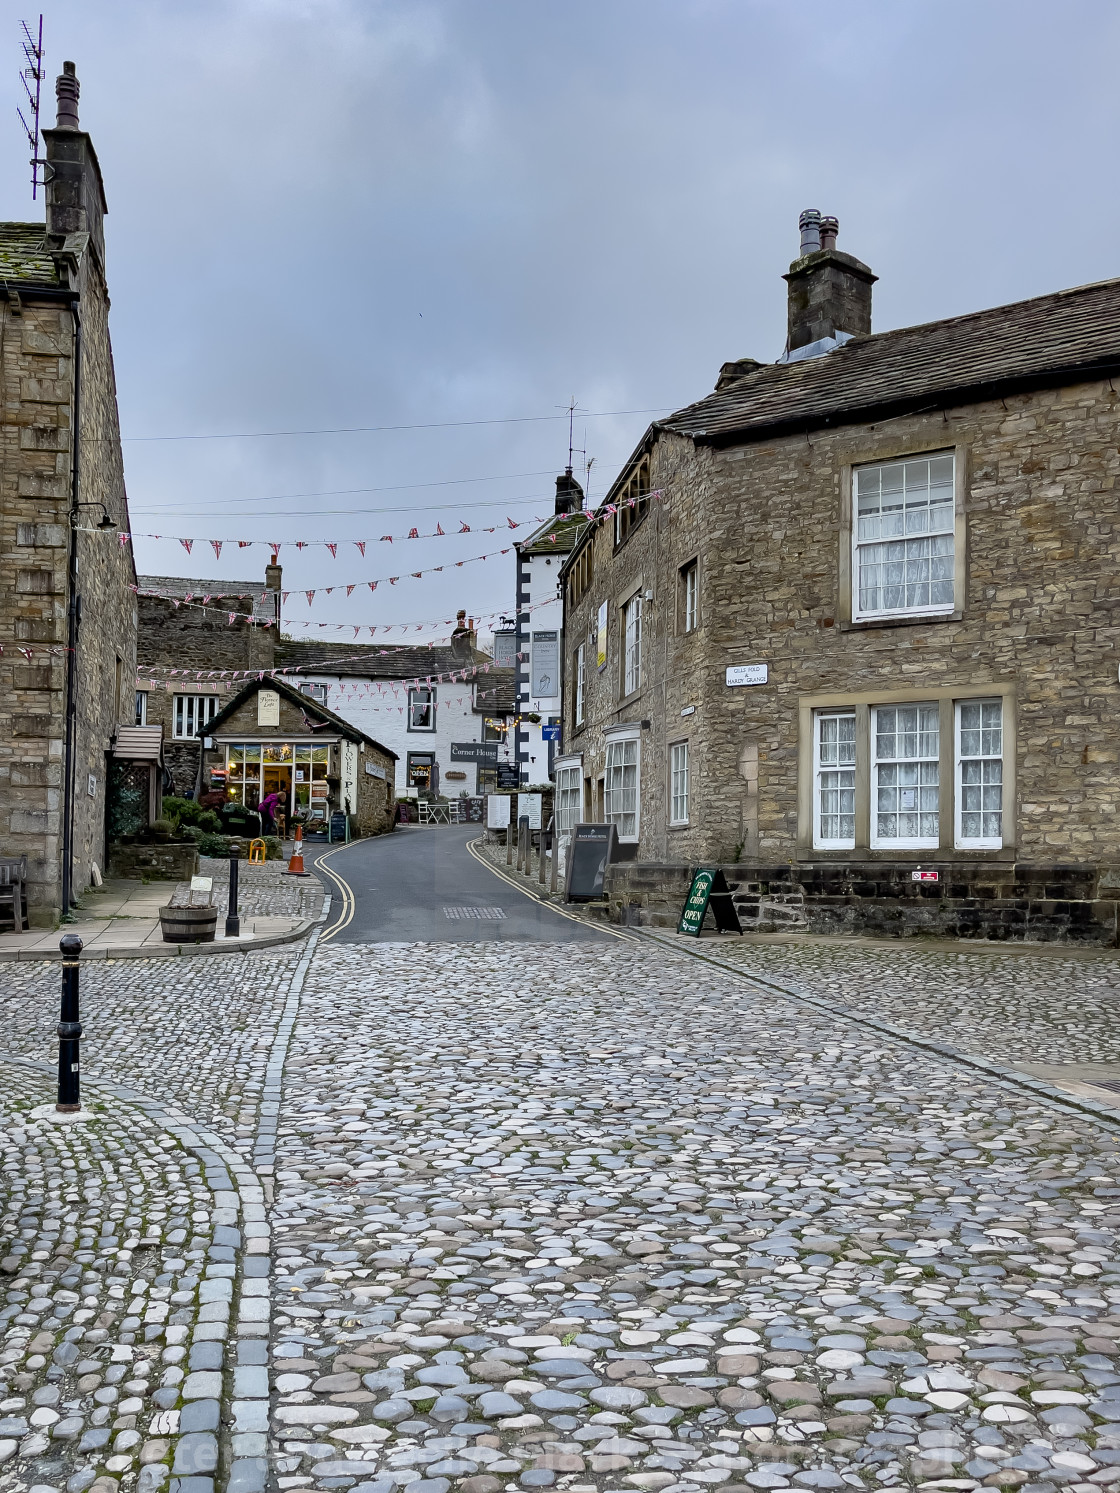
x,y
747,674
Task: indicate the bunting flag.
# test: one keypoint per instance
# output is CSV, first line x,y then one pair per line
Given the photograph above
x,y
188,544
216,546
333,549
361,544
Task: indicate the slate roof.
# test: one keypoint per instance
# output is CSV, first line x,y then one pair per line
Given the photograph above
x,y
566,527
297,697
241,592
496,693
24,259
368,661
1048,341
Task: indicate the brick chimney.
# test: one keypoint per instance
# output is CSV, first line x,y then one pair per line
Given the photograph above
x,y
273,574
829,292
569,494
74,189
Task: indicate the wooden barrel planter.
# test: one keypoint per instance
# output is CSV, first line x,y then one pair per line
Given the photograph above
x,y
188,924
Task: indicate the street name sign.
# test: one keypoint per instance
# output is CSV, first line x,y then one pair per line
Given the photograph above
x,y
739,674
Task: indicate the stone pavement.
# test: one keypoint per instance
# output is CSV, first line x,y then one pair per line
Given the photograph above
x,y
615,1221
122,918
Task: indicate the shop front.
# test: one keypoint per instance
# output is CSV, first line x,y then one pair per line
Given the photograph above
x,y
272,740
297,770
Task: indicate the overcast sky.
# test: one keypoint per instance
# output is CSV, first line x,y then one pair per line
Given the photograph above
x,y
415,212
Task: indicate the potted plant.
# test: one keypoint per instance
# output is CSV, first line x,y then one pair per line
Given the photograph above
x,y
188,924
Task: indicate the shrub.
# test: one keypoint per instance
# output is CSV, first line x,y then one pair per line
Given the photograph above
x,y
191,832
210,822
273,849
215,845
182,810
162,827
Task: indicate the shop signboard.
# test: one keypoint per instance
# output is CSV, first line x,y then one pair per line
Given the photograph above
x,y
709,889
589,854
475,751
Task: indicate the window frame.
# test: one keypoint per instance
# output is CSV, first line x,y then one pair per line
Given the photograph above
x,y
920,841
315,690
631,647
882,453
430,691
632,502
819,842
207,709
579,685
940,609
680,821
141,707
689,574
979,842
568,795
863,703
623,739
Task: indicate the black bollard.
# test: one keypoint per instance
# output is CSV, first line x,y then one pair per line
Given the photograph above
x,y
233,922
69,1028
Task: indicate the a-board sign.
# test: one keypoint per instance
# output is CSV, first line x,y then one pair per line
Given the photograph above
x,y
589,854
708,889
474,751
530,804
339,828
497,810
475,809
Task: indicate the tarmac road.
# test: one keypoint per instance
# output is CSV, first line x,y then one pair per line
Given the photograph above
x,y
422,885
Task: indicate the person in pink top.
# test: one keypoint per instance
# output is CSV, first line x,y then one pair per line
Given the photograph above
x,y
267,808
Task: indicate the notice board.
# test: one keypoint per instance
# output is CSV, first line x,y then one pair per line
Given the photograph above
x,y
589,854
497,810
529,805
709,889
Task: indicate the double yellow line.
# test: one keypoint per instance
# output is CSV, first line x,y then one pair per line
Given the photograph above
x,y
346,912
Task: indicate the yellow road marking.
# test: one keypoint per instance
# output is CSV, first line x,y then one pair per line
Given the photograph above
x,y
346,912
541,901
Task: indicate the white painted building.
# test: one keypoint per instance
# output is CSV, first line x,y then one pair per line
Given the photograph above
x,y
384,693
540,618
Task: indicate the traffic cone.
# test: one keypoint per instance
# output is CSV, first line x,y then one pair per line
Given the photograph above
x,y
295,865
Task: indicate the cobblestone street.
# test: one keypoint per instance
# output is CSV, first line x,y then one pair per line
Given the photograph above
x,y
540,1216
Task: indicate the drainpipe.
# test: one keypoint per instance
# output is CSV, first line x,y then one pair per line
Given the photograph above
x,y
73,622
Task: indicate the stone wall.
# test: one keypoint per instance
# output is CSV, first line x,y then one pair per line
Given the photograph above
x,y
195,640
170,862
999,901
1037,622
37,348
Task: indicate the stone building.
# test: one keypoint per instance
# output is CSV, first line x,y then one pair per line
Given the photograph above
x,y
67,610
273,738
849,625
191,632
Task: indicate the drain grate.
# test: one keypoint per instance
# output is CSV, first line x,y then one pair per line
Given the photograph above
x,y
473,912
1105,1083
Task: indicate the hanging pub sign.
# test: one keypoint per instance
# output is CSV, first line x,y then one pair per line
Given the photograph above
x,y
709,889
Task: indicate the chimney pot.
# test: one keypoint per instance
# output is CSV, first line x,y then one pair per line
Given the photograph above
x,y
67,89
830,227
810,225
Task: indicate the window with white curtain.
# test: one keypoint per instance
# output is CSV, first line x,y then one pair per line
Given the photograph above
x,y
903,537
632,645
192,712
621,787
141,707
579,685
834,773
979,774
567,799
679,783
906,789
